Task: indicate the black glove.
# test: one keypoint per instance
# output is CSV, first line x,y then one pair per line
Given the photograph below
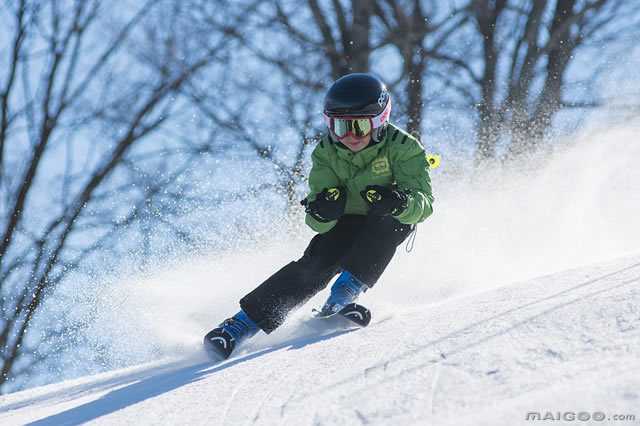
x,y
384,201
328,205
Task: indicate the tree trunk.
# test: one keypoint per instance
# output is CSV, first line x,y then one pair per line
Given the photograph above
x,y
357,43
415,71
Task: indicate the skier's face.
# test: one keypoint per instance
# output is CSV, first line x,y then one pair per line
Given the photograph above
x,y
355,143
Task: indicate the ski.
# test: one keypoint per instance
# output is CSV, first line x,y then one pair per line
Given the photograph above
x,y
353,312
218,344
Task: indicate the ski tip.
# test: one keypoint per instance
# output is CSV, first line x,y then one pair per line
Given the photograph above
x,y
357,314
353,312
218,345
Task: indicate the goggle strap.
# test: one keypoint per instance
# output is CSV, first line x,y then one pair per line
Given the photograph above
x,y
381,118
327,120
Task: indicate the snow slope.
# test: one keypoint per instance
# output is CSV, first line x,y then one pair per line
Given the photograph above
x,y
569,341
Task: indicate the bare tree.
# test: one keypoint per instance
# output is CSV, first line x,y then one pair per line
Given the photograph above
x,y
68,89
420,30
526,49
342,32
291,93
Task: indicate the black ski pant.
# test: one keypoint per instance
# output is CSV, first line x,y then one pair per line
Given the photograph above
x,y
362,245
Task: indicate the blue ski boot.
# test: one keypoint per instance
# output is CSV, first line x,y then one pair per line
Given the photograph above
x,y
345,290
222,340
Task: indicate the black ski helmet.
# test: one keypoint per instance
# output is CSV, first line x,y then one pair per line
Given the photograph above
x,y
357,95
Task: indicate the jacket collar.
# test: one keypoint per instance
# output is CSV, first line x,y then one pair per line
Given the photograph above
x,y
362,158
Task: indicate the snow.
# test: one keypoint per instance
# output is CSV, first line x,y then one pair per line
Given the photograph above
x,y
568,341
522,295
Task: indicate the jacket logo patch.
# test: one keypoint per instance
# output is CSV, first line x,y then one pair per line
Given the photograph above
x,y
380,166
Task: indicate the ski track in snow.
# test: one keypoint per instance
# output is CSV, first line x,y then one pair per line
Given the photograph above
x,y
567,341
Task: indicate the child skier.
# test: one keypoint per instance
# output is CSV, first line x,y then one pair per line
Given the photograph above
x,y
369,187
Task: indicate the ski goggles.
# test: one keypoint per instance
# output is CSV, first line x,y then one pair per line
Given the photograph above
x,y
341,127
358,127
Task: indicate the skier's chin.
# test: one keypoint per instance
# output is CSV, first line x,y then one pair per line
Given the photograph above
x,y
356,144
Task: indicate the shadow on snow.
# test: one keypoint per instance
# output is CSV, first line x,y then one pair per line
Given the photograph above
x,y
158,384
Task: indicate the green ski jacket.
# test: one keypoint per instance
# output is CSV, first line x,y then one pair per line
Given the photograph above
x,y
397,160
